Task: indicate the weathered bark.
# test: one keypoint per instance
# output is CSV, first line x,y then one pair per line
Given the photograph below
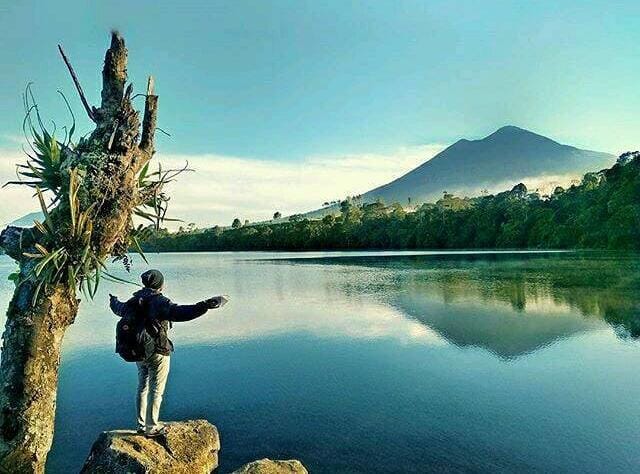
x,y
150,117
29,375
29,366
110,159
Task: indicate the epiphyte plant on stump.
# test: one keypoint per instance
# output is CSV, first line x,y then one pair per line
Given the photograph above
x,y
95,188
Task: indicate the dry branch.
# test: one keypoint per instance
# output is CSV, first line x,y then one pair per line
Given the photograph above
x,y
83,98
150,118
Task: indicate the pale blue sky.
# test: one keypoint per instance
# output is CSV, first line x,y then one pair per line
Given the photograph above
x,y
287,79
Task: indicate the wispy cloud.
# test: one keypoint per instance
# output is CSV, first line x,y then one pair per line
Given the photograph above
x,y
15,201
225,187
12,139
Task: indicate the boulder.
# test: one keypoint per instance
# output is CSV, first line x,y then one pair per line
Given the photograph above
x,y
267,466
188,447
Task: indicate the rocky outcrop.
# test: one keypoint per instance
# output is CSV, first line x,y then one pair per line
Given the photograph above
x,y
188,447
267,466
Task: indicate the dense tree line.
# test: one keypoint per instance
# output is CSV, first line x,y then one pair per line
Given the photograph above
x,y
603,211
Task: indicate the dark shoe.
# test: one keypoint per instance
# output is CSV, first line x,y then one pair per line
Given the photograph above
x,y
141,431
156,432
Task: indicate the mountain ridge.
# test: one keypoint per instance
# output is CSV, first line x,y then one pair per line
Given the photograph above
x,y
494,163
510,153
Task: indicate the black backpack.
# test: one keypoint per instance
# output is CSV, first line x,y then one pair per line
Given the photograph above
x,y
131,332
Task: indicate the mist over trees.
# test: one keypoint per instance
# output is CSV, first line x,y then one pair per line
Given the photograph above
x,y
600,212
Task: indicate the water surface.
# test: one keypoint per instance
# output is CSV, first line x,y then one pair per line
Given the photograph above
x,y
383,361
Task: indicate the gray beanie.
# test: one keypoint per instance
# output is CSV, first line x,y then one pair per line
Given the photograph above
x,y
152,279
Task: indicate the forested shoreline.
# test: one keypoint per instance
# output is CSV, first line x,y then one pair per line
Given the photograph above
x,y
602,212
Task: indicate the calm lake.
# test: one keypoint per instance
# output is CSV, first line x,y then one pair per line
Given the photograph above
x,y
382,361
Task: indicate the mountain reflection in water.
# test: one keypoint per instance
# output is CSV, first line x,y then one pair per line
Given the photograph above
x,y
509,304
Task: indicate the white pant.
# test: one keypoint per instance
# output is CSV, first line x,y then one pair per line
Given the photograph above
x,y
152,373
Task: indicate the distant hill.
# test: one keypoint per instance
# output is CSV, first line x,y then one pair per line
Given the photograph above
x,y
509,154
497,162
27,220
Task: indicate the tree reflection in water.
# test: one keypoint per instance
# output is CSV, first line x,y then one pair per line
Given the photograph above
x,y
508,303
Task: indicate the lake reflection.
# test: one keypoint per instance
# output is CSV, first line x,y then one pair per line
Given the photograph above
x,y
384,361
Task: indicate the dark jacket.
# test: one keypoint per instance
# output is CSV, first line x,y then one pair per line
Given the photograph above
x,y
159,313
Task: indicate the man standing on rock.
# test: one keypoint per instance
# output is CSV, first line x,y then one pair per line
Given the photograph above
x,y
156,313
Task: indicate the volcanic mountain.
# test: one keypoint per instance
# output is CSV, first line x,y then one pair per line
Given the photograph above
x,y
507,156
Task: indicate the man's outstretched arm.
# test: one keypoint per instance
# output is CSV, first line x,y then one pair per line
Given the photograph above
x,y
187,312
117,306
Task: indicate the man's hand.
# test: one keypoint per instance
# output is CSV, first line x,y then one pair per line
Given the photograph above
x,y
216,302
115,304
